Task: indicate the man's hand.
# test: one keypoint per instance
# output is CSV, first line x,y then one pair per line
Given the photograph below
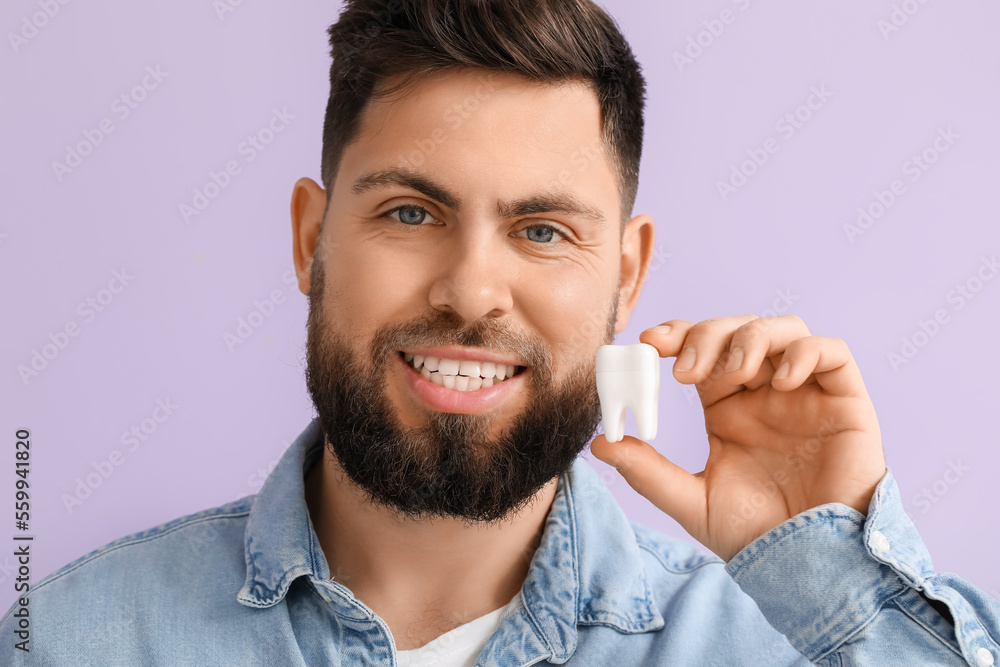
x,y
780,441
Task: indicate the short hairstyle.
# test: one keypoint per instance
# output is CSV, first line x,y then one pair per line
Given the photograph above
x,y
380,46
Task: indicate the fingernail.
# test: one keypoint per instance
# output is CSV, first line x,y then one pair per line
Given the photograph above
x,y
685,362
662,329
782,371
735,359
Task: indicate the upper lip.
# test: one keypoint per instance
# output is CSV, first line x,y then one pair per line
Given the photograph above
x,y
459,353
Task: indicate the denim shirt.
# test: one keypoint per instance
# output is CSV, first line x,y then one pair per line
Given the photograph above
x,y
246,583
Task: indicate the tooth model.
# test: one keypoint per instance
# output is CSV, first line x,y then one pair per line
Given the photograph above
x,y
628,376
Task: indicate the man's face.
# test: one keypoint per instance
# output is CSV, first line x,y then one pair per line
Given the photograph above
x,y
507,245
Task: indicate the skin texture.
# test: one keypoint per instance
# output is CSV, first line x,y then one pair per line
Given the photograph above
x,y
542,296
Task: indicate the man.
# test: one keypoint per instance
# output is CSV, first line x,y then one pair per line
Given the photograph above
x,y
470,249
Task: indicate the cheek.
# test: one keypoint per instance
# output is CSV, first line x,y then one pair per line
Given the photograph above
x,y
367,285
570,313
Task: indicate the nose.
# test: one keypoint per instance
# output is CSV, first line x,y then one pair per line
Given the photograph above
x,y
475,277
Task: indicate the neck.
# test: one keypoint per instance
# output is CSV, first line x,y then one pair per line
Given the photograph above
x,y
423,577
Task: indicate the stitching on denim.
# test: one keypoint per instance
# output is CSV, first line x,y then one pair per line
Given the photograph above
x,y
785,530
905,608
574,544
669,567
55,576
864,624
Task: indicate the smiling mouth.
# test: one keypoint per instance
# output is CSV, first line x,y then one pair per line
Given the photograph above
x,y
461,375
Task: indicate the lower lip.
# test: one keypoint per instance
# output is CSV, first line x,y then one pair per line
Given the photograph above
x,y
453,400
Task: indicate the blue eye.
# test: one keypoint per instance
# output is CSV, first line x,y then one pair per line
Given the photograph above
x,y
409,214
546,233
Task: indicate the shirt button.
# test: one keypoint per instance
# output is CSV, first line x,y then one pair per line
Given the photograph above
x,y
880,541
984,657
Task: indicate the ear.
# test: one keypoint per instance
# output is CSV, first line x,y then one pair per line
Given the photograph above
x,y
308,208
637,253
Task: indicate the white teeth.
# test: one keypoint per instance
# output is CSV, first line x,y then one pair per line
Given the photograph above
x,y
448,367
461,375
469,368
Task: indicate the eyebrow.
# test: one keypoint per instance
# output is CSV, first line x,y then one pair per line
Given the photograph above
x,y
543,202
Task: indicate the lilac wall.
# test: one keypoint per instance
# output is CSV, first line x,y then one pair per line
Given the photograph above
x,y
169,286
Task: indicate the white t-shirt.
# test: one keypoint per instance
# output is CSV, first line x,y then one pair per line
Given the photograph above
x,y
460,646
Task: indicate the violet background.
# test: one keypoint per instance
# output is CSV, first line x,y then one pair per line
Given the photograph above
x,y
782,232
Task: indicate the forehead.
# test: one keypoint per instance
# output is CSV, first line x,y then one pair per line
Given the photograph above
x,y
488,126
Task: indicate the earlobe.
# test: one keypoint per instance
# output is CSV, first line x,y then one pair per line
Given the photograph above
x,y
637,254
308,208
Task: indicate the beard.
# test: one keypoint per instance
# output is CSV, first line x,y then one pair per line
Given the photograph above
x,y
450,466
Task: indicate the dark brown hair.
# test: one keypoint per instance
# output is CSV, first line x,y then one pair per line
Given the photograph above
x,y
380,46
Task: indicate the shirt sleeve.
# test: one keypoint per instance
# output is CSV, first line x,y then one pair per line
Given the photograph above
x,y
849,589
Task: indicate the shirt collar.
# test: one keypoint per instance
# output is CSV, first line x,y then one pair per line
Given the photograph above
x,y
587,570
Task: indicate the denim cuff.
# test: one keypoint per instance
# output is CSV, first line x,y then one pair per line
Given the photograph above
x,y
823,574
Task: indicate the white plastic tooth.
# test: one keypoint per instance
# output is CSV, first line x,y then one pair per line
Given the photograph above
x,y
431,363
418,359
487,382
449,381
488,370
462,382
501,372
448,367
408,357
437,379
426,373
469,368
475,383
628,376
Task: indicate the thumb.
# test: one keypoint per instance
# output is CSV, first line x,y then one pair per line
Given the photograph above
x,y
668,486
